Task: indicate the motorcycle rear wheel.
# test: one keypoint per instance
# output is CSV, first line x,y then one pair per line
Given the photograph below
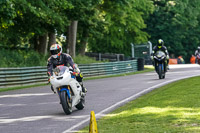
x,y
65,102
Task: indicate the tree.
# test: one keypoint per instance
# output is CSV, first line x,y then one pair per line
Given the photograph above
x,y
124,25
31,20
176,22
72,38
83,13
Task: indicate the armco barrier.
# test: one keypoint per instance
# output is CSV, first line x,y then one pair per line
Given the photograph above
x,y
35,75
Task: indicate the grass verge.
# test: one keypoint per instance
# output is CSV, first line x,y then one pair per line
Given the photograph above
x,y
174,108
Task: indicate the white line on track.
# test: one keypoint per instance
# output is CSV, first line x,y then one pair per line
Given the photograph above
x,y
6,120
12,105
102,113
25,95
150,82
168,73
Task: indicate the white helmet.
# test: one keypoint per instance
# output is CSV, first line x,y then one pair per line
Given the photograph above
x,y
55,50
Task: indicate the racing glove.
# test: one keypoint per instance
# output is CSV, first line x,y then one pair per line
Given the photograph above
x,y
167,57
80,74
152,58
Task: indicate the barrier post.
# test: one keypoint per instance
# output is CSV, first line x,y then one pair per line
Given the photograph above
x,y
93,123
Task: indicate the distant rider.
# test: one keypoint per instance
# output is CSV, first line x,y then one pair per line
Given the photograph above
x,y
197,52
58,58
160,47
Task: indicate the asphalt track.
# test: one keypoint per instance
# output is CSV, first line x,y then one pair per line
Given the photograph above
x,y
37,110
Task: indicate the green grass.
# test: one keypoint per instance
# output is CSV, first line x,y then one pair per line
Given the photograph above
x,y
174,108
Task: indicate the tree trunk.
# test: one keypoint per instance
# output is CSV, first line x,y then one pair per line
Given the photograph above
x,y
67,40
84,41
43,44
72,38
36,43
52,39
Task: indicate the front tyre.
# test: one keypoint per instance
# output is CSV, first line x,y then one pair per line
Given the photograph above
x,y
163,70
81,104
163,76
160,71
66,103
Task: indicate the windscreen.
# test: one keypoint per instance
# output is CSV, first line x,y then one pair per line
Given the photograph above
x,y
60,70
160,54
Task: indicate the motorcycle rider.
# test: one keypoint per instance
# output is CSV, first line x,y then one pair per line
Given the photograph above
x,y
160,47
197,52
58,58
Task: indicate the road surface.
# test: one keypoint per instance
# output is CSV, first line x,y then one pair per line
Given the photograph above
x,y
37,109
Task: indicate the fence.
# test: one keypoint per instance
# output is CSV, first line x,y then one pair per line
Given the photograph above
x,y
34,75
108,56
142,51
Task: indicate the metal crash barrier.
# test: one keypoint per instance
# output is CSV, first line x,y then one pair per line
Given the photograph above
x,y
10,77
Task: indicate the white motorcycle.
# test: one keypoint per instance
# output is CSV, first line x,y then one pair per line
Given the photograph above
x,y
68,89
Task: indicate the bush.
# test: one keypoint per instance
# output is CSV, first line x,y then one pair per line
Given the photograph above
x,y
35,59
11,58
21,58
79,59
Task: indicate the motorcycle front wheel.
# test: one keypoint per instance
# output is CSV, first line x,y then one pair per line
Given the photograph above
x,y
66,103
160,71
81,104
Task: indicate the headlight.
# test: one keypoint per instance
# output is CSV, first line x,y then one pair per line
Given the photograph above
x,y
162,57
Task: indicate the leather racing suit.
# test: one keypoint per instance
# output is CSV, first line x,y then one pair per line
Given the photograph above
x,y
63,60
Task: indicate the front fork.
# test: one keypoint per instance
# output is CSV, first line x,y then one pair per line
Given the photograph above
x,y
164,66
59,90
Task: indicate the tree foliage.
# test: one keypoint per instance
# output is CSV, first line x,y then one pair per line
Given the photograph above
x,y
124,24
177,23
25,19
103,25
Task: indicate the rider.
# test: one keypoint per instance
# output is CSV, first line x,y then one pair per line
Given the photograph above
x,y
197,51
160,47
58,58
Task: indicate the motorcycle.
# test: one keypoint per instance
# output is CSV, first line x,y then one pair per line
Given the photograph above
x,y
159,59
198,58
68,88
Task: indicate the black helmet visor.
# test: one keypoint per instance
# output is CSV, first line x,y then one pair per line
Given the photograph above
x,y
54,52
159,44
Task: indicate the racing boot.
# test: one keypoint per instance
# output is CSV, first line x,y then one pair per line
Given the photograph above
x,y
167,67
83,88
168,63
